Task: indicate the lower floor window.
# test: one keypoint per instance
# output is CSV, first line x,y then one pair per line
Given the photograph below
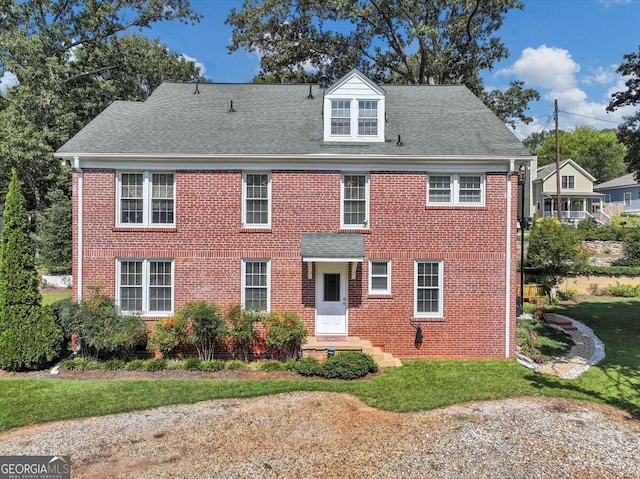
x,y
145,286
428,288
255,284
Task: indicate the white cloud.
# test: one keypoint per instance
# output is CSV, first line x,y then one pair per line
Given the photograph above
x,y
602,76
199,65
7,80
545,67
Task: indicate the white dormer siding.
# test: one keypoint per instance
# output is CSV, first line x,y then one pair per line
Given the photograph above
x,y
354,110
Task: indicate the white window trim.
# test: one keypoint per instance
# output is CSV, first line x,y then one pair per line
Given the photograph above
x,y
439,313
354,117
455,190
147,200
367,223
626,199
244,199
607,199
568,187
243,279
145,286
388,276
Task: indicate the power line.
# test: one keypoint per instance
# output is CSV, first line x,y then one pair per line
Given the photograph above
x,y
589,117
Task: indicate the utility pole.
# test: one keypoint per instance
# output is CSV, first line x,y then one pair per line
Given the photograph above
x,y
555,115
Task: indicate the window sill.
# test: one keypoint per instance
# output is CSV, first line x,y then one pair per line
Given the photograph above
x,y
250,229
429,319
346,229
380,296
456,207
146,229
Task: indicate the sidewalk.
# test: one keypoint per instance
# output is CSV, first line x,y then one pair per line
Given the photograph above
x,y
587,350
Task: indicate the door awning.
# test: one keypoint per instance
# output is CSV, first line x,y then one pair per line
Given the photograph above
x,y
332,247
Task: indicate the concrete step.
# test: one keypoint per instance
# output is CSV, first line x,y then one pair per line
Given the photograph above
x,y
352,343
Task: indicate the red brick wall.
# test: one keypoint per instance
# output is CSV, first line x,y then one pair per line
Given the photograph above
x,y
209,243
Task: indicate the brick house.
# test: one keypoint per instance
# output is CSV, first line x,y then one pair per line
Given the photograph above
x,y
370,210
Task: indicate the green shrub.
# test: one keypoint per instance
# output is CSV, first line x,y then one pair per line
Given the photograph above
x,y
135,365
284,334
624,290
271,366
631,249
308,367
212,365
207,327
54,233
112,365
155,364
569,294
173,364
167,334
193,364
79,364
241,330
348,365
234,364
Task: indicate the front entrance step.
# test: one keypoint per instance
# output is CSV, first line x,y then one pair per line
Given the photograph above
x,y
318,349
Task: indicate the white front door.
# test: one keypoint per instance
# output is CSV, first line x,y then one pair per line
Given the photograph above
x,y
331,299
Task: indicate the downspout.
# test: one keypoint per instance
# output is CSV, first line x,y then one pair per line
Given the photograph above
x,y
507,295
79,246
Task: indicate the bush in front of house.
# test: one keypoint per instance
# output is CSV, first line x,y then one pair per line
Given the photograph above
x,y
212,365
192,364
206,327
29,336
624,290
631,249
167,335
79,364
155,364
308,367
348,365
284,334
135,365
234,365
241,329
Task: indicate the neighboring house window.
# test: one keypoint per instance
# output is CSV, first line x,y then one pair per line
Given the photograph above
x,y
607,199
455,190
568,182
256,199
145,199
428,288
379,277
255,284
340,117
627,199
367,117
145,286
355,201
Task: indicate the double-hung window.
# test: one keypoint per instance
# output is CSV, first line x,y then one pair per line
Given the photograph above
x,y
145,199
256,277
145,286
568,182
627,199
428,288
355,201
454,189
256,201
340,117
379,276
367,117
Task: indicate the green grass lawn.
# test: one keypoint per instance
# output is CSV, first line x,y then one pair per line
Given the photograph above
x,y
419,385
53,296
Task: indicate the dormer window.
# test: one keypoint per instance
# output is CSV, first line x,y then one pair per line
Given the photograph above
x,y
354,110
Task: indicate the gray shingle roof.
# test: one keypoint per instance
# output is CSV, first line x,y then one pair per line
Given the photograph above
x,y
281,120
620,182
332,245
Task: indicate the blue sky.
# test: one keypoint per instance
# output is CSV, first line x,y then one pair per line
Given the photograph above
x,y
566,49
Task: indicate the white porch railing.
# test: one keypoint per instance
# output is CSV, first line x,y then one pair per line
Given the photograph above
x,y
571,215
602,217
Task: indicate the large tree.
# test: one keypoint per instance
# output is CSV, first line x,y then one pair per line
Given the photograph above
x,y
629,130
405,41
72,58
597,151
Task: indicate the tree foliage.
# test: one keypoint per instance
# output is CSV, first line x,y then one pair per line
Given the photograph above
x,y
597,151
29,336
629,130
555,250
72,59
54,233
433,42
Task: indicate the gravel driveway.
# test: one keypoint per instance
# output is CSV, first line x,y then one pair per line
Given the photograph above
x,y
328,435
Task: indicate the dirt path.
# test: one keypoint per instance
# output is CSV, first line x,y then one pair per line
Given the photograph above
x,y
327,435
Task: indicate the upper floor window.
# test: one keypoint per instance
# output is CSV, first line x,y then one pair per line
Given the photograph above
x,y
145,286
340,117
145,199
256,201
568,182
355,201
367,117
455,190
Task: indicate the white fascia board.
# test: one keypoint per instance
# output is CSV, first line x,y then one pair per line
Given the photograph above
x,y
332,260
